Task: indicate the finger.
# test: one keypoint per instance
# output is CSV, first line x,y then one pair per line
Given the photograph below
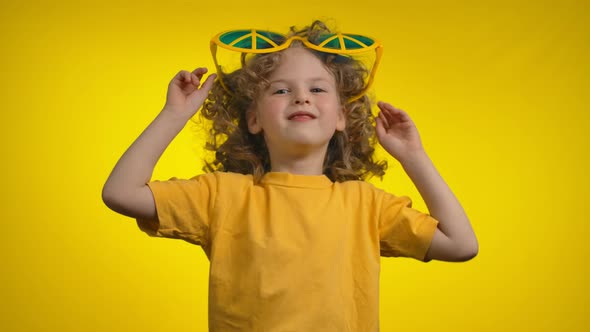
x,y
379,128
203,91
180,79
183,78
197,75
391,116
200,71
383,119
388,114
386,110
195,80
179,76
401,115
201,94
384,106
395,115
208,82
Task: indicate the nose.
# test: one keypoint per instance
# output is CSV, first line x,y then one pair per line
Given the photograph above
x,y
301,98
300,101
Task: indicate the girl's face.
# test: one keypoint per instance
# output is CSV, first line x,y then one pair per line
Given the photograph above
x,y
300,109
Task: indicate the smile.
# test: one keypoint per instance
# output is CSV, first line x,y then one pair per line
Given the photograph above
x,y
301,116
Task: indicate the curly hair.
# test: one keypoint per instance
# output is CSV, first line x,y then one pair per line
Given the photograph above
x,y
350,153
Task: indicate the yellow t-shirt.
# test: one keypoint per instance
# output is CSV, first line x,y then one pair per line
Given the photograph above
x,y
294,252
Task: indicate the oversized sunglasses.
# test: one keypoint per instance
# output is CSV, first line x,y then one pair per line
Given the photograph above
x,y
254,41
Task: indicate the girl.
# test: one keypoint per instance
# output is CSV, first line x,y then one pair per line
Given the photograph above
x,y
293,233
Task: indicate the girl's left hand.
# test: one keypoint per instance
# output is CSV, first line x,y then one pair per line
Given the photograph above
x,y
397,133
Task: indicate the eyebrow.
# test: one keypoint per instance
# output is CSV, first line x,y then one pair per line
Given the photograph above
x,y
313,79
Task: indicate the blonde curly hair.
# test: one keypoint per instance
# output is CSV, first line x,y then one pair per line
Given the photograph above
x,y
350,154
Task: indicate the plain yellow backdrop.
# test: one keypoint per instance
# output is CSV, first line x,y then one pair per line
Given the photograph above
x,y
498,89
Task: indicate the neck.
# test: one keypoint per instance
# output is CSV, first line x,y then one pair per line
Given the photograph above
x,y
306,163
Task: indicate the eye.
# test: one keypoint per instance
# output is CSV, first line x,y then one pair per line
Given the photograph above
x,y
281,91
317,90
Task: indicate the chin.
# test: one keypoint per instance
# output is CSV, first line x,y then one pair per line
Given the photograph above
x,y
302,144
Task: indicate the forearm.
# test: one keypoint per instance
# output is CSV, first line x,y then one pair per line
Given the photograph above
x,y
135,167
441,202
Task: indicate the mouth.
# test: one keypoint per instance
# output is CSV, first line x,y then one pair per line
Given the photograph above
x,y
301,116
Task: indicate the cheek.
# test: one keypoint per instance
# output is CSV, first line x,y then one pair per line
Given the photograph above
x,y
271,109
267,116
332,107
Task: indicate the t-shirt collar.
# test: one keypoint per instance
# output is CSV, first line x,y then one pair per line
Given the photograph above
x,y
296,180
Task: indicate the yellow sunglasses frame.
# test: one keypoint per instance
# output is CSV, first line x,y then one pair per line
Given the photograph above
x,y
216,41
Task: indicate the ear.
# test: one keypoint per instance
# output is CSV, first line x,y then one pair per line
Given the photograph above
x,y
341,121
253,123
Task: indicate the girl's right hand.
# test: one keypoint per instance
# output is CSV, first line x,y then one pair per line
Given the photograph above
x,y
185,97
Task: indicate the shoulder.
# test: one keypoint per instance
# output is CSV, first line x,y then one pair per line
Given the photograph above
x,y
357,186
224,179
358,189
368,191
211,180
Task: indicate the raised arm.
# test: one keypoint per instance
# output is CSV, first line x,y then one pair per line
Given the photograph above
x,y
126,190
454,240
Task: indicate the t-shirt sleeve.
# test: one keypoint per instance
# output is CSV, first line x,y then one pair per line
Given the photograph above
x,y
404,231
183,209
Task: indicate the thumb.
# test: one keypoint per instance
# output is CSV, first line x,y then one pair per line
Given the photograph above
x,y
198,96
208,82
379,128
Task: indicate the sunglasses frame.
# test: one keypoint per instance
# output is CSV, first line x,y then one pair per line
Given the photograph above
x,y
376,46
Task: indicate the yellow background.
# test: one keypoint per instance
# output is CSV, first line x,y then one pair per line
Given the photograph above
x,y
499,91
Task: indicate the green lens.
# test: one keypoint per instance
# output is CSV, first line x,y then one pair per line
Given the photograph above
x,y
334,43
351,42
362,39
229,37
275,37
